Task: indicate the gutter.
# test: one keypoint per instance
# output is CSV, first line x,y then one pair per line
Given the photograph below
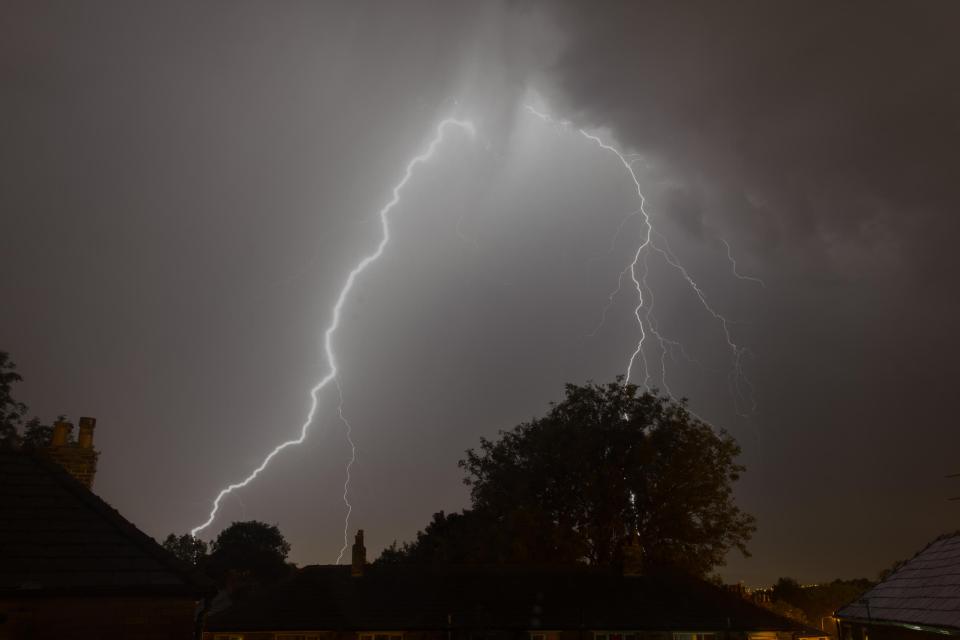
x,y
902,625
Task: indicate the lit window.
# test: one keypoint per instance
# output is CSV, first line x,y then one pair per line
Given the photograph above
x,y
616,635
381,635
694,636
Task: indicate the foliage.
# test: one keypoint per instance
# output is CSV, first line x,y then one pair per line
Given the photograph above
x,y
192,551
819,600
36,434
11,411
14,432
474,536
787,610
249,551
886,573
571,486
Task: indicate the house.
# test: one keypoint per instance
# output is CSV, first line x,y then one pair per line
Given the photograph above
x,y
920,599
403,602
71,566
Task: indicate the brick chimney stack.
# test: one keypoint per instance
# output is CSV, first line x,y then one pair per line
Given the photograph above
x,y
78,458
359,555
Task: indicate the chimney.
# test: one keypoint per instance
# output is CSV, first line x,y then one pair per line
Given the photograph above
x,y
633,556
85,437
78,458
61,434
359,555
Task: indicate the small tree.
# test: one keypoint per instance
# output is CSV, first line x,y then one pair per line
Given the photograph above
x,y
14,432
816,601
11,411
188,549
249,552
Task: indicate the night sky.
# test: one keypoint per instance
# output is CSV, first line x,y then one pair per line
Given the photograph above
x,y
184,188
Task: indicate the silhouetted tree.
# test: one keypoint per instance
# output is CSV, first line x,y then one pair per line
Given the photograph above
x,y
815,601
36,434
606,461
14,432
786,589
11,411
788,610
473,536
886,573
190,550
248,552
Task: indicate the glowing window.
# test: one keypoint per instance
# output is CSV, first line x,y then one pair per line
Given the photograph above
x,y
694,636
381,635
616,635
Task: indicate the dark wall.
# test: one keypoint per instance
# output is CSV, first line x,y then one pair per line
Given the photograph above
x,y
130,618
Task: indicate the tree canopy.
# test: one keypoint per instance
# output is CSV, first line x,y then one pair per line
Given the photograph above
x,y
810,603
11,411
15,431
606,462
250,551
186,548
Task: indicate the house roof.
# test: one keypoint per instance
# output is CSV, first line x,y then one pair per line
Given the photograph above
x,y
57,537
924,591
406,597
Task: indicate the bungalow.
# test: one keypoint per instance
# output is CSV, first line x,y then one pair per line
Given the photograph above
x,y
403,602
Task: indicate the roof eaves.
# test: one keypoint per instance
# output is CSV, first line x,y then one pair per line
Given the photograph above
x,y
946,631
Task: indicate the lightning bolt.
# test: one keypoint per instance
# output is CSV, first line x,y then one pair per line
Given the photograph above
x,y
623,272
740,386
636,268
346,482
330,376
733,266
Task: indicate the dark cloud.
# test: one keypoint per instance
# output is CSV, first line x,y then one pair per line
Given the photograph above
x,y
820,138
840,118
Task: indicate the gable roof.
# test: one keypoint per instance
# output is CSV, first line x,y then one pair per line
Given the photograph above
x,y
57,537
419,598
924,591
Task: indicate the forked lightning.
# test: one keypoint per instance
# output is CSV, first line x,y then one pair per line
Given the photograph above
x,y
439,136
739,384
650,239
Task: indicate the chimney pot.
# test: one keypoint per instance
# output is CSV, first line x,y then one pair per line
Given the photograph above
x,y
61,433
85,436
359,559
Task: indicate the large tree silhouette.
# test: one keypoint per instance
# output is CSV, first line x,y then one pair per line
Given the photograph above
x,y
607,462
248,552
